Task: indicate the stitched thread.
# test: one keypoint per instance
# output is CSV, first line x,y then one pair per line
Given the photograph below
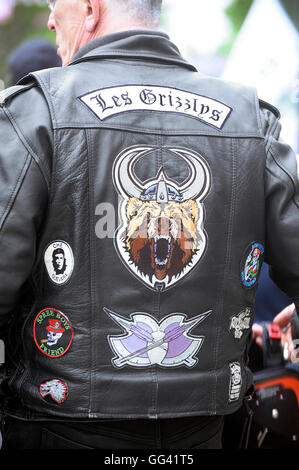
x,y
27,146
16,190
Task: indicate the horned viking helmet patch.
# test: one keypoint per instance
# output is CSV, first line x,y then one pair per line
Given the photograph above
x,y
161,236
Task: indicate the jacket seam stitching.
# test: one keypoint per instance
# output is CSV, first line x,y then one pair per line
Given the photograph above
x,y
123,52
280,165
142,55
48,96
54,166
27,146
16,190
92,272
11,92
157,132
156,306
271,132
145,64
257,112
227,256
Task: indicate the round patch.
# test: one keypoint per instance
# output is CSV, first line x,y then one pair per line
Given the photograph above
x,y
59,261
53,333
54,389
252,265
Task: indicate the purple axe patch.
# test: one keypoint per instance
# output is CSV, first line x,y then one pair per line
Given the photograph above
x,y
147,342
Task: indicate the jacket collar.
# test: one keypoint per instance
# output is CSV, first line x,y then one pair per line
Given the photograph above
x,y
134,44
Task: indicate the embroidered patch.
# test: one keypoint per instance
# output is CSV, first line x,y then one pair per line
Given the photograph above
x,y
240,323
107,102
146,342
252,266
53,333
235,381
54,389
59,261
161,236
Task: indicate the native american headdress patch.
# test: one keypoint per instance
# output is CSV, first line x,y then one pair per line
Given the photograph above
x,y
161,237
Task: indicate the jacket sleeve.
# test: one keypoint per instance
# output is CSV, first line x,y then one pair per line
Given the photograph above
x,y
282,209
23,197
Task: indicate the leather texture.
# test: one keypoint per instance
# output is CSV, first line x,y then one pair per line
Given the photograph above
x,y
165,217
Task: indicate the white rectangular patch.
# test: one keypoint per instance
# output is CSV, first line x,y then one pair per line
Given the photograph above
x,y
107,102
235,381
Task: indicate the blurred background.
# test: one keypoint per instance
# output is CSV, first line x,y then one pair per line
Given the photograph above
x,y
250,41
254,42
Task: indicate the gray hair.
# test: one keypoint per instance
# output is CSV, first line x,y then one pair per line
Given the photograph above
x,y
144,12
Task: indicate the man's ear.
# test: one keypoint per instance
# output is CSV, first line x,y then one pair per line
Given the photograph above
x,y
92,14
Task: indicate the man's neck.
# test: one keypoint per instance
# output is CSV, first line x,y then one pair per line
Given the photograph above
x,y
103,30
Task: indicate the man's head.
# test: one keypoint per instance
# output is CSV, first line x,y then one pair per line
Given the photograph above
x,y
77,22
59,261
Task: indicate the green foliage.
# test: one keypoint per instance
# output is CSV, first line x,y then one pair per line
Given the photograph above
x,y
31,21
28,22
236,12
291,8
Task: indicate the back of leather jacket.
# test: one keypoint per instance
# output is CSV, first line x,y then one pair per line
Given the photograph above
x,y
138,201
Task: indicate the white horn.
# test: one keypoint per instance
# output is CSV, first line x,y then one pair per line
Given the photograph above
x,y
125,180
198,183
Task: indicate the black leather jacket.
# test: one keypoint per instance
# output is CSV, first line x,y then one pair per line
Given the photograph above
x,y
138,199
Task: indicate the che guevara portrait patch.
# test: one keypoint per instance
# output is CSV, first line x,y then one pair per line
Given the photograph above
x,y
59,262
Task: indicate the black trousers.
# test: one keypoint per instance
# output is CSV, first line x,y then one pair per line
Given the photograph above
x,y
177,433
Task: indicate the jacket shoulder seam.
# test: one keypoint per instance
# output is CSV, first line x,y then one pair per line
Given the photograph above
x,y
15,190
281,166
257,111
28,147
11,92
270,107
47,94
